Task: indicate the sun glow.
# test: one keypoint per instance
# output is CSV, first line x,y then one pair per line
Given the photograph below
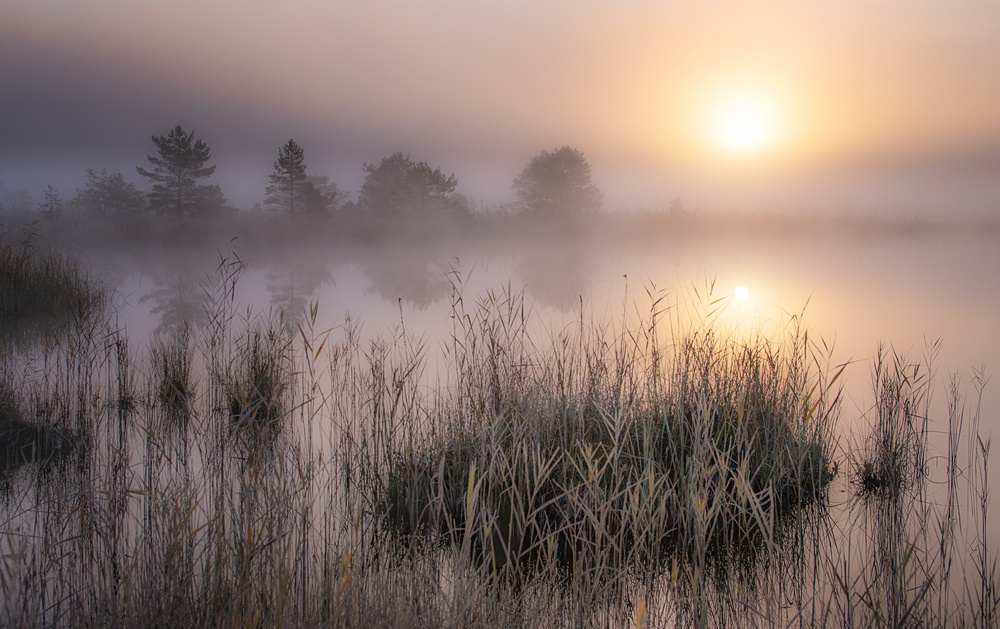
x,y
744,126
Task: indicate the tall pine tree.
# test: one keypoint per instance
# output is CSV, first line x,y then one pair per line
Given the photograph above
x,y
51,207
177,169
290,186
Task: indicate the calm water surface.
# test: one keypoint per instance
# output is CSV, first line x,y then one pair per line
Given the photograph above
x,y
857,296
853,295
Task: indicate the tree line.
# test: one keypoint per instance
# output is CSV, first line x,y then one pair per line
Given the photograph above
x,y
554,184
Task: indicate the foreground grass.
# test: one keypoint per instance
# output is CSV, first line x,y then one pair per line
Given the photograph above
x,y
614,456
41,290
632,473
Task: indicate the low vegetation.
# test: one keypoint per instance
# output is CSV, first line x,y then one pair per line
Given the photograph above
x,y
23,440
893,458
259,376
653,472
40,290
172,363
614,452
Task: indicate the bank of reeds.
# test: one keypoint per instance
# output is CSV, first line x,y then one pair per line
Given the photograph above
x,y
38,289
607,457
25,439
639,472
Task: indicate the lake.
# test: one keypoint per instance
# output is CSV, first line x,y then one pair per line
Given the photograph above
x,y
909,293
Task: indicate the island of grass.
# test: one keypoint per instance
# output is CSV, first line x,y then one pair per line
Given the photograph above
x,y
628,452
40,292
41,289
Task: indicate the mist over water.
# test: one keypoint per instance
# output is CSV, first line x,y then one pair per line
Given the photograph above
x,y
856,295
856,286
702,272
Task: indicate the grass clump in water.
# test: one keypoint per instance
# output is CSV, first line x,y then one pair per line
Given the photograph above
x,y
172,359
41,288
612,455
257,385
892,458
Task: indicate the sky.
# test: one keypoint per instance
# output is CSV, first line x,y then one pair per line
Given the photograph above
x,y
854,106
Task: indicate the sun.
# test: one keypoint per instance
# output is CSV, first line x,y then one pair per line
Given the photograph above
x,y
744,126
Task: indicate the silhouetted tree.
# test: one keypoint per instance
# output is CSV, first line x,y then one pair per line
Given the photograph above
x,y
294,191
177,169
289,180
108,195
677,206
51,206
399,186
557,184
212,202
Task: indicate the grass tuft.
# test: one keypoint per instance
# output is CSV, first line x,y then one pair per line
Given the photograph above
x,y
625,451
172,358
39,290
892,459
257,385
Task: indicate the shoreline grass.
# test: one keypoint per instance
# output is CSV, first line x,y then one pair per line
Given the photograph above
x,y
609,474
622,450
41,290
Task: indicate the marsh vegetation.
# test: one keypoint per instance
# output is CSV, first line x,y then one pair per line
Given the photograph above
x,y
650,470
41,290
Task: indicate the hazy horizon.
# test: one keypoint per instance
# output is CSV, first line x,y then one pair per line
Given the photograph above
x,y
874,108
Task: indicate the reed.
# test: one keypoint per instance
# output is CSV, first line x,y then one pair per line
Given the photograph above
x,y
171,359
24,440
258,379
633,473
41,289
894,453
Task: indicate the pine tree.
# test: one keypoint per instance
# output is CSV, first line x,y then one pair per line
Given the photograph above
x,y
289,189
177,169
51,207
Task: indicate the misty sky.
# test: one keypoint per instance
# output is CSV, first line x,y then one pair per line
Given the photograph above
x,y
876,106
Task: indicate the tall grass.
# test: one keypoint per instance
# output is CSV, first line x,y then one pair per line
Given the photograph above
x,y
171,360
604,458
909,557
40,289
638,472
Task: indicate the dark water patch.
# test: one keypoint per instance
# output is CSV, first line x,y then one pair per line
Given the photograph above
x,y
24,441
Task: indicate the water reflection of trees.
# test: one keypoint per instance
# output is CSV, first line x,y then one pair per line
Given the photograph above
x,y
556,277
292,287
415,274
179,299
